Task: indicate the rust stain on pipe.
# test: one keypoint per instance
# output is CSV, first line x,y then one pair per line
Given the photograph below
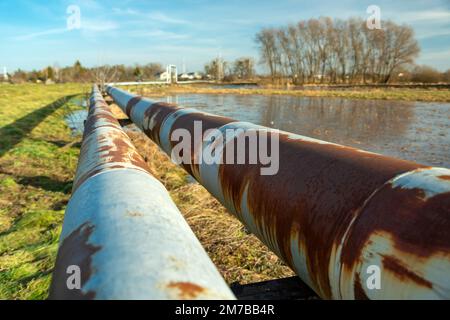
x,y
74,251
105,150
324,194
187,290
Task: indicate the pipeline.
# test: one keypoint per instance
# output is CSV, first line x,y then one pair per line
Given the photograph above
x,y
122,235
352,224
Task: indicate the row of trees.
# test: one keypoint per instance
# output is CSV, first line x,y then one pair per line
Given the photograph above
x,y
423,74
78,73
219,69
336,51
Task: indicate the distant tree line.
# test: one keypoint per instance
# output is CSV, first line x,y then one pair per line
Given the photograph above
x,y
422,74
78,73
327,50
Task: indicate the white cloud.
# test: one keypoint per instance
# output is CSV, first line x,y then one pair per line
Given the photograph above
x,y
92,26
40,34
435,55
158,34
161,17
98,25
424,16
423,34
156,16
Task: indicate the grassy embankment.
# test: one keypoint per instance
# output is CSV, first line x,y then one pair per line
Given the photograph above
x,y
431,95
38,158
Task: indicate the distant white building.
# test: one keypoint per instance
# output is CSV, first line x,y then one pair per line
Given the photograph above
x,y
190,76
195,76
183,77
163,76
170,75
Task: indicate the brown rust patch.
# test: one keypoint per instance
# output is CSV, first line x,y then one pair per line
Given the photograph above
x,y
130,105
75,250
117,149
187,290
134,214
445,177
418,225
403,273
157,113
95,121
187,122
315,194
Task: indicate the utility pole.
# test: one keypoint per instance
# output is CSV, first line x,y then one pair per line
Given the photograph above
x,y
220,67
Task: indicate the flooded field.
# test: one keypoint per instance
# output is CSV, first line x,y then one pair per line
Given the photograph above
x,y
414,131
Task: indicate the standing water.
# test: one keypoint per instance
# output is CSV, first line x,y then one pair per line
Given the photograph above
x,y
75,120
415,131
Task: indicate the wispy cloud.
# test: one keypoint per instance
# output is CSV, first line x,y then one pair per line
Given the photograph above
x,y
156,16
98,25
92,26
161,34
161,17
423,16
425,34
33,35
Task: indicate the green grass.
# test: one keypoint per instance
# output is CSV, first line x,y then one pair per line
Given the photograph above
x,y
38,159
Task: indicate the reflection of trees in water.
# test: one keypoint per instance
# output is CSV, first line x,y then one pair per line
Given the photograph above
x,y
340,119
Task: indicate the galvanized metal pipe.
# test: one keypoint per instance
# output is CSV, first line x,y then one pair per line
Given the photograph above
x,y
332,213
121,229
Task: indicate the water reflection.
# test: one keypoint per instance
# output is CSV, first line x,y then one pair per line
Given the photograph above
x,y
410,130
75,121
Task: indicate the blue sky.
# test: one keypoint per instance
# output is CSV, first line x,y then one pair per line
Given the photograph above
x,y
34,34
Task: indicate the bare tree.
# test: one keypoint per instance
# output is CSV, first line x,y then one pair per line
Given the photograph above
x,y
243,68
336,51
104,74
270,55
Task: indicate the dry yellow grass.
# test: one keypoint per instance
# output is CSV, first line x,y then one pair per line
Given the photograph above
x,y
406,94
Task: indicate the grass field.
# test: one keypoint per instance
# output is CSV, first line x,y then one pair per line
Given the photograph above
x,y
37,163
430,95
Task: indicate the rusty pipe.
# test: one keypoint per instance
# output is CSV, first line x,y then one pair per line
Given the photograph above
x,y
352,224
122,234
